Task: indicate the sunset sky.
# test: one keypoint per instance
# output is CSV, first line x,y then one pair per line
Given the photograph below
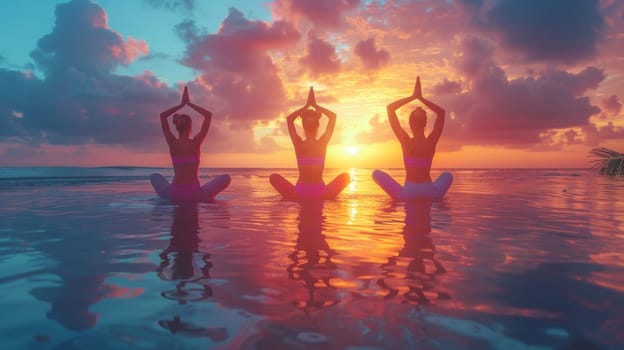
x,y
532,83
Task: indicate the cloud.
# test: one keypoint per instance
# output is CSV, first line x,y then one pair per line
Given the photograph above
x,y
379,131
237,75
612,104
320,57
188,5
548,30
240,45
571,137
447,87
322,13
516,112
82,40
414,24
371,56
235,67
268,145
595,135
80,100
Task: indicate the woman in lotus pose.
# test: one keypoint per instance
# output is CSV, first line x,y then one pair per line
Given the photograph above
x,y
185,155
418,152
310,154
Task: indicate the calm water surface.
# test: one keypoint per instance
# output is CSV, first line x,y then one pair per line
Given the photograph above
x,y
510,259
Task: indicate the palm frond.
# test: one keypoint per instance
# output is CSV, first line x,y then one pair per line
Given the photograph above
x,y
607,161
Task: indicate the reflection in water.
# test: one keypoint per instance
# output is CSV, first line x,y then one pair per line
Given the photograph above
x,y
311,259
178,263
178,259
529,265
423,269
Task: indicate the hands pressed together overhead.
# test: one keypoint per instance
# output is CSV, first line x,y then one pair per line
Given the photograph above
x,y
311,101
417,89
186,99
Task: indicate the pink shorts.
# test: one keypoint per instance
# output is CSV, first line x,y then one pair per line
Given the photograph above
x,y
310,190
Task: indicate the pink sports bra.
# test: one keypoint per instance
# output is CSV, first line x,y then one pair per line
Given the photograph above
x,y
417,162
184,160
310,161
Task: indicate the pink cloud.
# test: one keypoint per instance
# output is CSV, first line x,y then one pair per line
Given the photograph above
x,y
321,57
238,77
595,135
235,66
82,40
572,137
419,23
447,87
371,56
240,45
323,13
497,110
612,104
80,100
379,131
135,48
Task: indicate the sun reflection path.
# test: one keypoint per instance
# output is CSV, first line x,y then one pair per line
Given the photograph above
x,y
354,180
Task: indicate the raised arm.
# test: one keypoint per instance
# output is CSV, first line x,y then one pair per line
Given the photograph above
x,y
331,123
201,135
166,114
394,120
439,122
290,121
165,124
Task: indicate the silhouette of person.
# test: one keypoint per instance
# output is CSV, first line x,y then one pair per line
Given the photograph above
x,y
178,259
310,152
419,247
311,257
185,156
418,152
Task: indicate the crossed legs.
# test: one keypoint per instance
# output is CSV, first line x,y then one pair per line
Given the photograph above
x,y
331,190
208,190
436,189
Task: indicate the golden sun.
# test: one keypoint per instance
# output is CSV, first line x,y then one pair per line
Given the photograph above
x,y
352,150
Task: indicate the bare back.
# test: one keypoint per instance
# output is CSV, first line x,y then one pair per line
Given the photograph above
x,y
185,156
185,151
311,151
417,155
418,150
310,160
